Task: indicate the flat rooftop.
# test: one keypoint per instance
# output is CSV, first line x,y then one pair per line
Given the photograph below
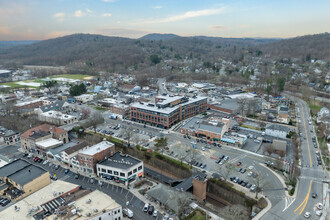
x,y
49,143
36,199
97,148
99,201
152,106
27,174
12,167
120,161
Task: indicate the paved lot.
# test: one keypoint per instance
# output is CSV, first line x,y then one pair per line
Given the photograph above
x,y
119,194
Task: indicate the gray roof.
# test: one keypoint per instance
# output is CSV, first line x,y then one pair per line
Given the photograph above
x,y
4,132
187,183
277,127
230,104
120,161
12,167
57,105
196,124
27,174
168,196
76,147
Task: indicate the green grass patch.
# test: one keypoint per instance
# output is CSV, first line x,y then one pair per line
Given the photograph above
x,y
100,108
71,76
315,107
250,127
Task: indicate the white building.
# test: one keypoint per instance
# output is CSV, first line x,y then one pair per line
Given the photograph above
x,y
122,168
9,137
98,205
57,118
275,130
84,98
68,156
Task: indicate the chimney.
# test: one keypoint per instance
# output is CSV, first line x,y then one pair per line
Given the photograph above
x,y
29,171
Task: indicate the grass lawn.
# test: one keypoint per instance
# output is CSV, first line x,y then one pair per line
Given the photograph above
x,y
100,108
315,106
72,76
198,217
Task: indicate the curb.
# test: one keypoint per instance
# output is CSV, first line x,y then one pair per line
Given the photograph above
x,y
264,211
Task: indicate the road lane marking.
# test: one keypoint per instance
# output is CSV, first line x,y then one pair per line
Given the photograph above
x,y
288,202
305,200
309,151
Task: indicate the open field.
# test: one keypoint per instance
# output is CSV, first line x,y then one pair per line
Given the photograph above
x,y
73,76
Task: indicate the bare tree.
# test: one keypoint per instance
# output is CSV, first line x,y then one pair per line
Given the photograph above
x,y
95,119
128,133
241,105
281,153
183,201
229,167
192,154
269,148
85,113
307,92
259,182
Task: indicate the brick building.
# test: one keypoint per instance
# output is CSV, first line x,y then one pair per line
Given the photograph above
x,y
199,187
29,105
168,110
89,157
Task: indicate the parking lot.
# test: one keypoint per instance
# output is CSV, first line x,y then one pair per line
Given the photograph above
x,y
119,193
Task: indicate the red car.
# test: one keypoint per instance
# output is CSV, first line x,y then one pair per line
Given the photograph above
x,y
210,142
36,159
238,163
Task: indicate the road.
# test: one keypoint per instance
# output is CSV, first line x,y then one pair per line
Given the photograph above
x,y
161,86
310,180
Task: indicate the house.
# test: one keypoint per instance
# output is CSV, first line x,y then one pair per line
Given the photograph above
x,y
276,130
84,98
323,111
89,157
265,104
68,156
9,137
40,133
20,179
122,168
283,118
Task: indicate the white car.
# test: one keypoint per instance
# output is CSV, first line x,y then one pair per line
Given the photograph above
x,y
203,149
319,206
250,167
45,162
307,215
155,213
165,217
250,173
318,213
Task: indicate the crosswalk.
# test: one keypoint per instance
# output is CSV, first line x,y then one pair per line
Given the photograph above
x,y
288,202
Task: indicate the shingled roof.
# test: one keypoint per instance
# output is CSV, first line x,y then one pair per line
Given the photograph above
x,y
43,128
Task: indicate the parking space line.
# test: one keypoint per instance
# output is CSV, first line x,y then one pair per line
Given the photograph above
x,y
121,190
108,186
112,188
117,189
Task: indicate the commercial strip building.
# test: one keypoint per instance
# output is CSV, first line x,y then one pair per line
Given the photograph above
x,y
211,129
234,139
19,179
41,133
115,107
122,168
68,156
84,98
167,110
57,118
89,157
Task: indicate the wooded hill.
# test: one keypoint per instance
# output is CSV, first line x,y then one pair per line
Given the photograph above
x,y
107,52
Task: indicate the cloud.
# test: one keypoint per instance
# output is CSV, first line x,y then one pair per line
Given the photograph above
x,y
79,14
106,14
109,0
218,27
191,14
157,7
88,10
59,16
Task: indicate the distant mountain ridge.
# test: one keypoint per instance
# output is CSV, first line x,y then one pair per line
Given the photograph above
x,y
9,44
107,52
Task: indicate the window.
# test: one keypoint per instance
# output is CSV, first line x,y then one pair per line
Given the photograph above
x,y
103,170
135,170
140,167
100,218
122,174
118,210
129,173
110,171
115,172
115,212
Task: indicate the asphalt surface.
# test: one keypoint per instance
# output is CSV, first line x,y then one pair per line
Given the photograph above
x,y
119,194
310,180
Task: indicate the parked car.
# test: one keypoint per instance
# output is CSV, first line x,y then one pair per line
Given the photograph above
x,y
239,163
45,162
91,180
307,215
77,176
243,170
151,210
39,160
145,208
155,214
66,171
35,159
226,158
314,195
57,167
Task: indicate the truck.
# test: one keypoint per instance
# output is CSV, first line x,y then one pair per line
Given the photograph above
x,y
127,212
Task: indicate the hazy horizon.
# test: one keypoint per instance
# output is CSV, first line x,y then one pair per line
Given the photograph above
x,y
40,20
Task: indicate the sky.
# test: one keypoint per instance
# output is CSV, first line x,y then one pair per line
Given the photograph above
x,y
45,19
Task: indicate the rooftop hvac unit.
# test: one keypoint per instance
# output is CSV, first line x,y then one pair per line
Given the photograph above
x,y
88,214
88,201
95,210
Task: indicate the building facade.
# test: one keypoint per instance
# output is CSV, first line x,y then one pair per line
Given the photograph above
x,y
9,137
57,118
122,168
168,110
89,157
